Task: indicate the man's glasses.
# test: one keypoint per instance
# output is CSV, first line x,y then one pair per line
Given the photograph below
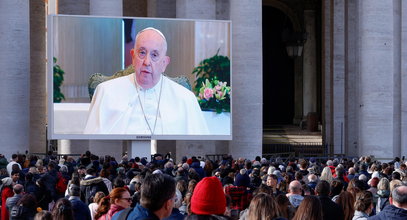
x,y
128,199
142,53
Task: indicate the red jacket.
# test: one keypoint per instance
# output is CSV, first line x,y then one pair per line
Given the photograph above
x,y
5,193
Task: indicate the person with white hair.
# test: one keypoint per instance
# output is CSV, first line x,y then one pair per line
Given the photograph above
x,y
6,192
145,102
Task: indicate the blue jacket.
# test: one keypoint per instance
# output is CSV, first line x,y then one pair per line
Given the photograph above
x,y
80,209
138,213
390,212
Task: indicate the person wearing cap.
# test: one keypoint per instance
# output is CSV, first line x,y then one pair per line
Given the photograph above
x,y
6,192
208,199
145,102
79,208
158,195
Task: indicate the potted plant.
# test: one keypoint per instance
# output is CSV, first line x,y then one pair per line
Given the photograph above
x,y
58,80
212,85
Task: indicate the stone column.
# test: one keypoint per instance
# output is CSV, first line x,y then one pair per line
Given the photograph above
x,y
376,132
132,8
246,16
397,77
15,77
403,80
327,132
352,79
106,7
199,9
73,7
310,65
161,8
38,96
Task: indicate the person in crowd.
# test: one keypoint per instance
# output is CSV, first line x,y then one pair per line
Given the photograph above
x,y
310,209
363,205
294,195
14,158
312,181
351,173
6,192
272,181
383,193
398,208
28,206
29,185
208,198
330,209
50,179
336,189
90,185
18,191
355,186
264,206
93,207
326,175
62,210
157,199
240,196
43,215
79,208
3,162
176,109
346,202
118,199
43,195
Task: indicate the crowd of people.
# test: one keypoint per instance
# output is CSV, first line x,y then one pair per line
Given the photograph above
x,y
102,188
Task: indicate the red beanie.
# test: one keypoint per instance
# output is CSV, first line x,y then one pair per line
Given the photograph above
x,y
189,161
208,197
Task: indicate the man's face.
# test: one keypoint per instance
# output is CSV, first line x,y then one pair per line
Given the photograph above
x,y
149,58
271,182
15,177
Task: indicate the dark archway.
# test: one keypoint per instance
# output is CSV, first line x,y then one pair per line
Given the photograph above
x,y
278,70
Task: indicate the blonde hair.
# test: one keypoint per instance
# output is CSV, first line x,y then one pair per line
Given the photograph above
x,y
326,175
394,184
383,184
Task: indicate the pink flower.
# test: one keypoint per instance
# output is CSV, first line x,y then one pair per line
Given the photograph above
x,y
208,93
218,87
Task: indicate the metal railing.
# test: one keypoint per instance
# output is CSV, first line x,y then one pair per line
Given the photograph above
x,y
295,150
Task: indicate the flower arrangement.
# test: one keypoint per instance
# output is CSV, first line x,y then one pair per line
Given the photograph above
x,y
212,85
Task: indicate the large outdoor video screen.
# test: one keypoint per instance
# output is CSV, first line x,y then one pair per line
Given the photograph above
x,y
138,78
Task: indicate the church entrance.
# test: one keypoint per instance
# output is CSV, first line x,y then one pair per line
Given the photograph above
x,y
278,71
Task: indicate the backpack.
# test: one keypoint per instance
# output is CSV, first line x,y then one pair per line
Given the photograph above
x,y
62,184
16,211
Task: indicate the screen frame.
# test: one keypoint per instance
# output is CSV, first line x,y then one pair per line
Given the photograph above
x,y
51,135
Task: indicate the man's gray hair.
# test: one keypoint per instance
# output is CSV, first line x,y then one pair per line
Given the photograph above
x,y
399,195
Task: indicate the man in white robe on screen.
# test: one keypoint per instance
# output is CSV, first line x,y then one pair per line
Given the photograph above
x,y
145,102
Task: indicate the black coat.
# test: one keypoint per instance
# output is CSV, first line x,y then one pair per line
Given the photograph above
x,y
90,186
330,210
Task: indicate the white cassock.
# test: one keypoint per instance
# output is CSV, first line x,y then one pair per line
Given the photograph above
x,y
120,106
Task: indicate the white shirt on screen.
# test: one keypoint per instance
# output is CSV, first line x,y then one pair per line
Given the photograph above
x,y
116,109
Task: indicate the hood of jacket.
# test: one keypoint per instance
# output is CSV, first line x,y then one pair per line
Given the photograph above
x,y
90,181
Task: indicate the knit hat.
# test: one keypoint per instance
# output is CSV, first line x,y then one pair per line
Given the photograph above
x,y
242,180
208,197
374,181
